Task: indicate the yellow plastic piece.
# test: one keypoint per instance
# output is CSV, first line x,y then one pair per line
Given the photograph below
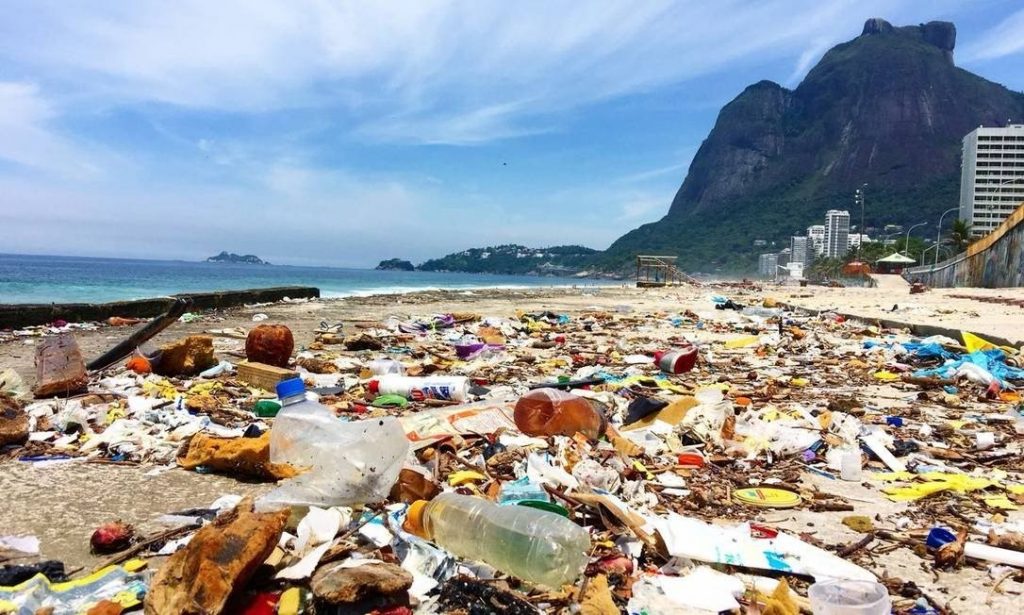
x,y
886,376
974,343
742,342
1001,502
643,469
936,482
464,476
290,602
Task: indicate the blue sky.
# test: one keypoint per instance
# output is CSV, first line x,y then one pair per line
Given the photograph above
x,y
341,133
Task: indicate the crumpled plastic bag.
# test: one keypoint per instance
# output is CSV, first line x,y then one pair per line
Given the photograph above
x,y
708,419
349,463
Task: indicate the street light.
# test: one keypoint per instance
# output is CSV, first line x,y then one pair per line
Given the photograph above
x,y
938,235
934,245
997,206
906,243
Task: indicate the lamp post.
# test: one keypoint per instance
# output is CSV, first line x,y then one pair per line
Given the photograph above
x,y
937,248
859,197
906,242
997,206
938,235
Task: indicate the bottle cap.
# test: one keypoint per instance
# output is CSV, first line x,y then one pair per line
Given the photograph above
x,y
373,386
939,536
290,388
414,518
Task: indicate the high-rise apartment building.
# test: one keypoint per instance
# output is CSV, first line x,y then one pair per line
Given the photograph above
x,y
837,233
801,250
816,233
991,176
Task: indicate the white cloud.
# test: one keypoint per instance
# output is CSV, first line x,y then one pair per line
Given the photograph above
x,y
809,58
434,71
673,170
26,136
1005,39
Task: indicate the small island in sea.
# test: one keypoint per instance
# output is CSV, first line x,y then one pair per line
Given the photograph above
x,y
231,257
395,264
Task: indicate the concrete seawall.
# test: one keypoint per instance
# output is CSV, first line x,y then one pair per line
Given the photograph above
x,y
15,316
994,261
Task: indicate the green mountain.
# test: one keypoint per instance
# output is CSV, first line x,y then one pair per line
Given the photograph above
x,y
516,259
888,109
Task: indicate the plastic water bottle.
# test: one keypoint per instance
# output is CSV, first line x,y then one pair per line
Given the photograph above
x,y
550,412
347,462
533,545
452,388
380,367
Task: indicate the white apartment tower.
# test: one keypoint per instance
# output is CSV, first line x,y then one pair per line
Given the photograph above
x,y
816,233
837,233
991,176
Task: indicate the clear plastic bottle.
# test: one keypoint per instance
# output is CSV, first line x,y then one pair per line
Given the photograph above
x,y
299,423
533,545
345,462
550,412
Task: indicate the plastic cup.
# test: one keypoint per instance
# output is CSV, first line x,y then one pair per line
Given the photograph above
x,y
849,465
849,598
984,440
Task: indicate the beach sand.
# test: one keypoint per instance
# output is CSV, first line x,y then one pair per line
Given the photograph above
x,y
63,504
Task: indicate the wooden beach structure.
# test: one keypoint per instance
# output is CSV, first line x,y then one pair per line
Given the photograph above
x,y
654,271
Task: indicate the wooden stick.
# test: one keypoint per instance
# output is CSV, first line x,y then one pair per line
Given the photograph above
x,y
142,546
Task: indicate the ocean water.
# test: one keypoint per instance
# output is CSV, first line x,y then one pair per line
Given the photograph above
x,y
65,279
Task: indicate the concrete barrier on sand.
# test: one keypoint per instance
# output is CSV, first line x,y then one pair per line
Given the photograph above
x,y
16,316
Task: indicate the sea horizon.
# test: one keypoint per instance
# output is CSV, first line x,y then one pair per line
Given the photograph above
x,y
34,279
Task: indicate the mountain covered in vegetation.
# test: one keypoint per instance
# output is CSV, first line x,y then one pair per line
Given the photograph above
x,y
513,259
888,109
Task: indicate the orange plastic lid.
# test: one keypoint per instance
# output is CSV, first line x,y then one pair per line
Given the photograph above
x,y
414,519
691,459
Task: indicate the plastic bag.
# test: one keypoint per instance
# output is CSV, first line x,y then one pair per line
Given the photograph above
x,y
707,420
350,462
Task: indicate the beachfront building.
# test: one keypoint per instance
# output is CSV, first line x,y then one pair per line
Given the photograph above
x,y
766,265
837,233
801,250
816,233
991,176
782,258
858,238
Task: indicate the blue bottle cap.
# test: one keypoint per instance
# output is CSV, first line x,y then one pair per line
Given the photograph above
x,y
290,388
939,536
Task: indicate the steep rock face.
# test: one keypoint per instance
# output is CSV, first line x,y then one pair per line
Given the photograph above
x,y
748,137
888,109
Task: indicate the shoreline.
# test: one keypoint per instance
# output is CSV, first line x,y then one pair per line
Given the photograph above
x,y
940,308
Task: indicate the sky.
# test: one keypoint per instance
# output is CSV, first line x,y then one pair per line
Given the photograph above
x,y
319,132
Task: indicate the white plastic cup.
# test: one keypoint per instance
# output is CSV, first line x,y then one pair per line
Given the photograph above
x,y
850,465
838,597
984,440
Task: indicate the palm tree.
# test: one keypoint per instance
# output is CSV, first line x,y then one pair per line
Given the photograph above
x,y
825,268
960,235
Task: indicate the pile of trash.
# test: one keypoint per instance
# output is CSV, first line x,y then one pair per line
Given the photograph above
x,y
607,461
